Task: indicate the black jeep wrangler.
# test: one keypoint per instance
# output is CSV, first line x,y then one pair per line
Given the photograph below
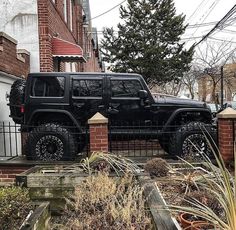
x,y
53,107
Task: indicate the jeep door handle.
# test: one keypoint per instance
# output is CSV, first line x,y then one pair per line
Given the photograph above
x,y
79,105
101,106
114,105
112,110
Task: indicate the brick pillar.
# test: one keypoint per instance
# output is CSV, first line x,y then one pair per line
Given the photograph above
x,y
226,133
98,130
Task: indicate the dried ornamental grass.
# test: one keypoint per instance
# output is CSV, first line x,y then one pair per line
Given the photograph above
x,y
99,161
222,185
103,202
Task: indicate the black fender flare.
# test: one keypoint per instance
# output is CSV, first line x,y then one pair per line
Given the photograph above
x,y
184,110
68,114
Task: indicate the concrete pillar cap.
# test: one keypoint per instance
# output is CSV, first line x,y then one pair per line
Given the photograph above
x,y
227,113
98,118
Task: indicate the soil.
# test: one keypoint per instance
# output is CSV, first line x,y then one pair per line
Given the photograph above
x,y
172,190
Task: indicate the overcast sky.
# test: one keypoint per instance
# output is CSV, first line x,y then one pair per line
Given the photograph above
x,y
208,11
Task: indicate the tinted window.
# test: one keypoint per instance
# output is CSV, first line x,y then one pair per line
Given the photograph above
x,y
48,87
125,88
87,88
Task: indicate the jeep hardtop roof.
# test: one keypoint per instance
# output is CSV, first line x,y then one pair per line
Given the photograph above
x,y
100,74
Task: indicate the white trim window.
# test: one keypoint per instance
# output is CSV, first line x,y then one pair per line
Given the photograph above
x,y
71,14
65,10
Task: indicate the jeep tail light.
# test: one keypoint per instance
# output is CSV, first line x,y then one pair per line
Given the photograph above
x,y
22,109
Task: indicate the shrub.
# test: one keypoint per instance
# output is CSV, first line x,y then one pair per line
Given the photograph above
x,y
15,205
157,167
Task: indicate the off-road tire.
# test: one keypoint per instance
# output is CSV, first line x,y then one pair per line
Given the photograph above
x,y
16,98
51,142
194,134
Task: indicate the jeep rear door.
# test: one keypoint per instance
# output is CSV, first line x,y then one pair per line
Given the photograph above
x,y
87,96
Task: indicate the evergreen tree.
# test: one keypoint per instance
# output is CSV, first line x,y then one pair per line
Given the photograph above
x,y
148,41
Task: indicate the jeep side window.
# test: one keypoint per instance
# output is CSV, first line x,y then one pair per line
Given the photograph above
x,y
48,87
87,88
125,88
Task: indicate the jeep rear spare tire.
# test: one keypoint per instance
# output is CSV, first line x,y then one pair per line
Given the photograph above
x,y
193,139
16,99
51,142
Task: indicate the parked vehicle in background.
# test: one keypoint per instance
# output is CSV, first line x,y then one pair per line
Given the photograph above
x,y
231,104
215,108
54,109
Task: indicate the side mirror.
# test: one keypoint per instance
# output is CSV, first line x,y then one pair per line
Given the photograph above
x,y
143,94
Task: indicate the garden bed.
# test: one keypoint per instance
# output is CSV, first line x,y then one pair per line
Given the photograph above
x,y
98,194
53,184
105,202
199,197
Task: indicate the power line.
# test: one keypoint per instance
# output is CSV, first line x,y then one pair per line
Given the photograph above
x,y
219,24
106,11
229,31
198,7
207,13
201,25
190,38
189,26
222,40
213,5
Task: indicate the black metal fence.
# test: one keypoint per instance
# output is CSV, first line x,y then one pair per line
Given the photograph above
x,y
135,141
154,140
39,142
10,140
131,141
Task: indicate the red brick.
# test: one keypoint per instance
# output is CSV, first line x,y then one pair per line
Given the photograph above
x,y
7,180
3,176
9,63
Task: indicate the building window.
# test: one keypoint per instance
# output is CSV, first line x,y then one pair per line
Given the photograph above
x,y
65,10
71,14
54,1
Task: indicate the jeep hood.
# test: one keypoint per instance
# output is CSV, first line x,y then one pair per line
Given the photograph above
x,y
175,101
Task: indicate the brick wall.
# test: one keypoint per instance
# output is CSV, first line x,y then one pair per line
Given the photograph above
x,y
98,137
51,24
8,173
92,64
226,127
227,133
98,131
13,61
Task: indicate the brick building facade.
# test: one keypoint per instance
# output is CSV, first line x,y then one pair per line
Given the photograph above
x,y
211,92
36,24
13,61
64,19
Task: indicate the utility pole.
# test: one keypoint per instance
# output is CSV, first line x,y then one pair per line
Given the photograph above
x,y
222,86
